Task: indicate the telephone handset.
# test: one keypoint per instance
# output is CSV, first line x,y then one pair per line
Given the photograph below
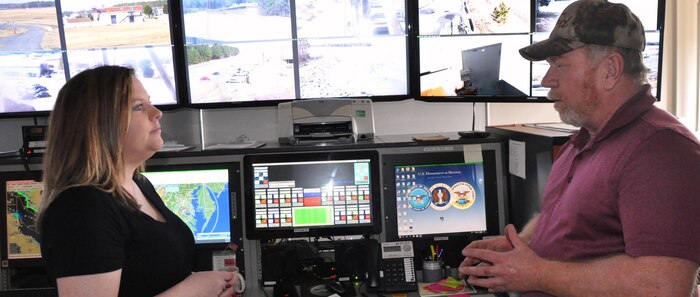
x,y
397,268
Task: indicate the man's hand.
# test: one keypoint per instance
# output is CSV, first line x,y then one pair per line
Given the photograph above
x,y
507,264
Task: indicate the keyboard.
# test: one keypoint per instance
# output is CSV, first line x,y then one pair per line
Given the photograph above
x,y
33,292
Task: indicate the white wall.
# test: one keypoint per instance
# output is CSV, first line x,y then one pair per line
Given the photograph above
x,y
390,118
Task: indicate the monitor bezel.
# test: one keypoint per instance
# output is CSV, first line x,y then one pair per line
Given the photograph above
x,y
234,178
273,233
451,242
5,262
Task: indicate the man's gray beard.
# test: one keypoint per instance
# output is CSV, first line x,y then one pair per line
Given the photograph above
x,y
571,117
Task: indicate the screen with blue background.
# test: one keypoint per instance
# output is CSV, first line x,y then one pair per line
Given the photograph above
x,y
440,199
200,198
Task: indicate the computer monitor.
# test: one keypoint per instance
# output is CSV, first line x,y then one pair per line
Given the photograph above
x,y
20,204
312,194
444,199
204,196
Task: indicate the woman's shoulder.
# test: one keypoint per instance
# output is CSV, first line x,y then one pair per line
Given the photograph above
x,y
80,197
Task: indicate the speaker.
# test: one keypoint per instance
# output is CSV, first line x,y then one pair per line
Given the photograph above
x,y
279,264
352,258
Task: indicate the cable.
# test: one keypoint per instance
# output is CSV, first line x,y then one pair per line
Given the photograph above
x,y
473,116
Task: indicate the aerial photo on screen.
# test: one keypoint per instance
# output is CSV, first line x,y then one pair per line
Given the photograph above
x,y
34,66
462,17
240,50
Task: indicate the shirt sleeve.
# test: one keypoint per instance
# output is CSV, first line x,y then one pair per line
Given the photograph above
x,y
658,200
83,232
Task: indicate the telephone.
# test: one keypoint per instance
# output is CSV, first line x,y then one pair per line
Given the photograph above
x,y
397,268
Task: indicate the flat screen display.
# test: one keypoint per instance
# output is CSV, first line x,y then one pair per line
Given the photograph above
x,y
648,12
443,199
247,51
449,30
44,43
307,195
440,199
20,205
201,197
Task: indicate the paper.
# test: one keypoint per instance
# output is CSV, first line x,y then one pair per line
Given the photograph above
x,y
438,137
445,287
472,153
236,145
175,148
516,158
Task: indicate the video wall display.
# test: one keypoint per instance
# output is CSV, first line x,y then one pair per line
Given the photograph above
x,y
469,48
243,51
232,53
648,13
44,43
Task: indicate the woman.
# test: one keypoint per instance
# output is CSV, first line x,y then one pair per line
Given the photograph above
x,y
104,229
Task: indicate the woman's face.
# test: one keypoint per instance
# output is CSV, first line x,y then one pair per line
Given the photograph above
x,y
143,136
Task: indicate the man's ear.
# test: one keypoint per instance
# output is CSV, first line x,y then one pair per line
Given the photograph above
x,y
612,66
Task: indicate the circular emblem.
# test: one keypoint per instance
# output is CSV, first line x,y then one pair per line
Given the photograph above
x,y
441,195
464,195
418,197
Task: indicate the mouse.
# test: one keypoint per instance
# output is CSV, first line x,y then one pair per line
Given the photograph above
x,y
335,287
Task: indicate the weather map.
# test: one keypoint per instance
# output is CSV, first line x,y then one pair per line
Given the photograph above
x,y
200,198
22,199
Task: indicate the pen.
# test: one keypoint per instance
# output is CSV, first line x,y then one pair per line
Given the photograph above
x,y
439,254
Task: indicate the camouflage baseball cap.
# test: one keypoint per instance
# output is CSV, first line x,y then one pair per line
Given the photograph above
x,y
590,22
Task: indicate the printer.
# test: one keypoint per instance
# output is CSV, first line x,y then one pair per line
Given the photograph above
x,y
325,121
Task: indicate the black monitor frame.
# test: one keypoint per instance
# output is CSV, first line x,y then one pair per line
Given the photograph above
x,y
234,178
5,262
273,233
452,243
204,251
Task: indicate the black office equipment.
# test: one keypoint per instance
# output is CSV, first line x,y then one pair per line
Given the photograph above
x,y
312,194
19,231
443,199
398,267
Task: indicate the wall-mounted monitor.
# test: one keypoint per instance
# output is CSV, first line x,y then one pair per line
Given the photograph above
x,y
260,52
204,196
650,13
458,43
443,198
44,43
19,232
312,194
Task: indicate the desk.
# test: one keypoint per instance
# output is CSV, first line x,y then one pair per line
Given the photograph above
x,y
359,291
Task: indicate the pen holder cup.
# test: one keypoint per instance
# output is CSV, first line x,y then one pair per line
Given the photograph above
x,y
433,271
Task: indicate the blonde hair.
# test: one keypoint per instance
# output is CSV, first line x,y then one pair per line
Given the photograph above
x,y
86,134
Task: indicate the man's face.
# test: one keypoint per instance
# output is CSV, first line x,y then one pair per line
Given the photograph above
x,y
572,82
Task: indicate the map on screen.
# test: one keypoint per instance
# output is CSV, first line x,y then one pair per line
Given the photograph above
x,y
22,199
200,198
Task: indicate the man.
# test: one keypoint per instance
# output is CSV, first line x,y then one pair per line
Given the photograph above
x,y
620,214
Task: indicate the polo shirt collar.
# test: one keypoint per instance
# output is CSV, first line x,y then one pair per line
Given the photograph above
x,y
629,111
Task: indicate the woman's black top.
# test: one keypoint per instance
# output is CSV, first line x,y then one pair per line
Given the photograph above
x,y
86,231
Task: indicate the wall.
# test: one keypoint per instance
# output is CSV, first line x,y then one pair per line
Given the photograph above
x,y
260,123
